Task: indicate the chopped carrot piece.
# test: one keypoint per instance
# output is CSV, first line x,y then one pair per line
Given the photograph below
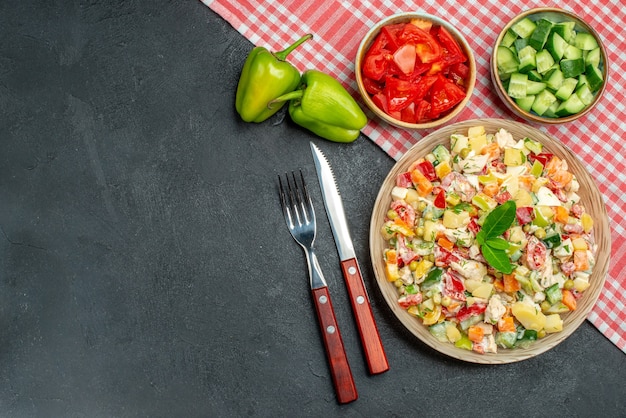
x,y
552,166
492,150
561,178
445,243
391,256
510,283
499,285
506,324
581,260
491,189
526,182
569,300
475,334
422,184
403,227
561,214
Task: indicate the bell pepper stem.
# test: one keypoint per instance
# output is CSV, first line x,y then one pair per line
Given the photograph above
x,y
292,95
282,55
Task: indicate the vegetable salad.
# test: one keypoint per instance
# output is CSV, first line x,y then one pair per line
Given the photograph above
x,y
488,243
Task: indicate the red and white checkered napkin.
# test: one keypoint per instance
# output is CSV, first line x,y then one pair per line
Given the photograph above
x,y
598,138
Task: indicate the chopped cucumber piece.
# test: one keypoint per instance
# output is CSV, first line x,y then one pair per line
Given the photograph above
x,y
520,43
506,62
585,41
594,77
543,101
556,45
534,87
571,52
525,103
565,30
551,111
517,85
534,75
544,61
554,79
593,57
566,89
570,106
524,28
540,35
441,153
585,94
527,59
508,38
572,67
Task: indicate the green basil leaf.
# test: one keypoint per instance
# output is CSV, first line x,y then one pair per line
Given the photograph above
x,y
497,259
499,219
498,243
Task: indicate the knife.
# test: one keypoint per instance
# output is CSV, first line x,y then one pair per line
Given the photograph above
x,y
366,324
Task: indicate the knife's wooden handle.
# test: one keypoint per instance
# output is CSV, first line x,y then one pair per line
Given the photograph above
x,y
370,338
335,351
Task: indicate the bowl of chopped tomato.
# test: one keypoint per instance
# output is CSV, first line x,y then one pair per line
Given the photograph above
x,y
415,71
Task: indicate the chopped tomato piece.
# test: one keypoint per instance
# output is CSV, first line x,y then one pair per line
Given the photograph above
x,y
428,169
422,111
372,86
543,157
452,52
408,113
405,57
427,48
445,95
399,93
375,66
404,179
468,311
440,200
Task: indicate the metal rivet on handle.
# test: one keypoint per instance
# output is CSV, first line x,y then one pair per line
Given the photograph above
x,y
330,329
323,299
352,270
360,300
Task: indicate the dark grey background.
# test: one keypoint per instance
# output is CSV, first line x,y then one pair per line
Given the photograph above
x,y
145,267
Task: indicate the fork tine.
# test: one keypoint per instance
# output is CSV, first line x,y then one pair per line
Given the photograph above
x,y
307,203
294,197
284,203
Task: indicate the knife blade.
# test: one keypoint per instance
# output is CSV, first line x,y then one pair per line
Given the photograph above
x,y
359,299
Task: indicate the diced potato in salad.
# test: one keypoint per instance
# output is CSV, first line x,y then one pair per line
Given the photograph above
x,y
438,265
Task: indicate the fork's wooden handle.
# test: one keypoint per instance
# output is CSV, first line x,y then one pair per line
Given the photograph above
x,y
337,359
370,338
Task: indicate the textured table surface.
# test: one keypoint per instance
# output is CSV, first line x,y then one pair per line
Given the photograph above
x,y
145,267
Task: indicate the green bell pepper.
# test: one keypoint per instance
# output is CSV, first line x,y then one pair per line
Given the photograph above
x,y
323,106
265,76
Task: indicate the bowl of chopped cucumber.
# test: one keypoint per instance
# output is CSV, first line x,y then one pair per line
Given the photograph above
x,y
549,66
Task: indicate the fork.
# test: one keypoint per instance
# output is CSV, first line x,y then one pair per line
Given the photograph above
x,y
300,217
